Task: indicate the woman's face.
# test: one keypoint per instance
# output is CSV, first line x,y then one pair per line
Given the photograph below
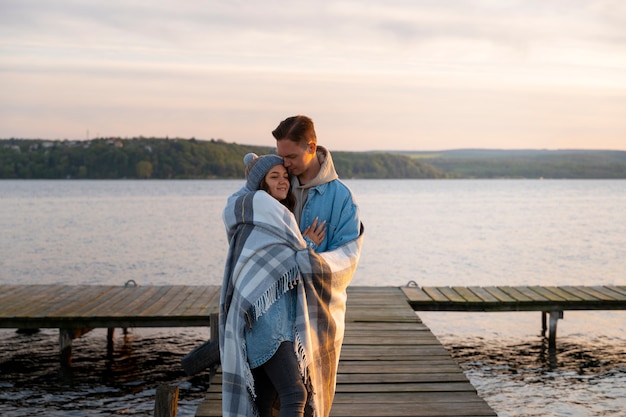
x,y
277,180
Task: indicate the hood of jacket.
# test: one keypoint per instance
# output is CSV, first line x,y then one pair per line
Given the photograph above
x,y
327,170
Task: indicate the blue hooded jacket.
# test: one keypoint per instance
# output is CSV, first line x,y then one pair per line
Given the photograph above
x,y
329,199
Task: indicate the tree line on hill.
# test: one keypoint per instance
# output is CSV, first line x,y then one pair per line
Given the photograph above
x,y
143,158
156,158
554,164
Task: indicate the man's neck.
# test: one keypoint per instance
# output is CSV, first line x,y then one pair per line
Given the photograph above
x,y
311,172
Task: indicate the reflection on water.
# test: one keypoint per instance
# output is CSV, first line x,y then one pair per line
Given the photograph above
x,y
529,380
121,382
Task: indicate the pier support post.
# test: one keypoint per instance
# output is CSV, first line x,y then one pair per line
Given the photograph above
x,y
110,341
66,335
555,315
166,401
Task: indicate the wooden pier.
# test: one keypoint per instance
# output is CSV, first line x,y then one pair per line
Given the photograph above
x,y
76,309
551,301
391,364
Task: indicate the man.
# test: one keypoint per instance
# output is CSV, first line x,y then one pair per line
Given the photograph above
x,y
321,198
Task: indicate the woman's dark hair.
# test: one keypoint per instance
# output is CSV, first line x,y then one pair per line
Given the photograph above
x,y
299,129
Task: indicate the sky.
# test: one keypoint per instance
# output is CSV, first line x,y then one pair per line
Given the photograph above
x,y
373,75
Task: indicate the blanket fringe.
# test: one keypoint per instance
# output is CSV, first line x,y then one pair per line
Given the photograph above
x,y
286,282
303,365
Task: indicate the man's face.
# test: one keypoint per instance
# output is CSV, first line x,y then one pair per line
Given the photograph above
x,y
297,158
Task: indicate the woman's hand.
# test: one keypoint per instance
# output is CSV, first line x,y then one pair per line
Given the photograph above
x,y
316,231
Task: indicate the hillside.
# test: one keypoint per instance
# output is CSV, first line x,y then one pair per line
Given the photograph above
x,y
489,163
158,158
173,159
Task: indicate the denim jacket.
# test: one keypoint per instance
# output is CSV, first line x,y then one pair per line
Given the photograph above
x,y
271,329
328,199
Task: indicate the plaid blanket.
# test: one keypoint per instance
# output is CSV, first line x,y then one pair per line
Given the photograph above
x,y
267,256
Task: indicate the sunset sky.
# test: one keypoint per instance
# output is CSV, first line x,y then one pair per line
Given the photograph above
x,y
373,75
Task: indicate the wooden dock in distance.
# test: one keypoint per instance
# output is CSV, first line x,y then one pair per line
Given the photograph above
x,y
391,365
517,298
551,301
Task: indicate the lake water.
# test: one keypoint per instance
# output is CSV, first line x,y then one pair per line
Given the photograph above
x,y
434,232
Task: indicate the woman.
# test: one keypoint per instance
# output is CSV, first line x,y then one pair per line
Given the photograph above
x,y
276,295
269,343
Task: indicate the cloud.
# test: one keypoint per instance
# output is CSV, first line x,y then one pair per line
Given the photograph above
x,y
396,67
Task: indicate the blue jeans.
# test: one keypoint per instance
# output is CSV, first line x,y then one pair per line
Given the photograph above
x,y
280,375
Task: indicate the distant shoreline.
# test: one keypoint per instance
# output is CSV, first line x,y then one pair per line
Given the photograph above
x,y
164,158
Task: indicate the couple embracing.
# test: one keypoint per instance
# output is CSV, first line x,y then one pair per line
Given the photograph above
x,y
294,243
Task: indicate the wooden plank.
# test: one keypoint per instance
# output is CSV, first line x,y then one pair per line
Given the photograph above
x,y
398,325
577,291
396,341
404,397
380,314
501,296
467,295
427,373
600,295
416,294
404,409
608,292
144,297
91,298
515,293
533,295
435,293
484,295
19,300
551,293
157,303
115,300
38,299
206,303
409,364
389,353
450,387
179,295
620,290
67,305
452,295
7,291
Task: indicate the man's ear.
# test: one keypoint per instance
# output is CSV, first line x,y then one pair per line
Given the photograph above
x,y
312,147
